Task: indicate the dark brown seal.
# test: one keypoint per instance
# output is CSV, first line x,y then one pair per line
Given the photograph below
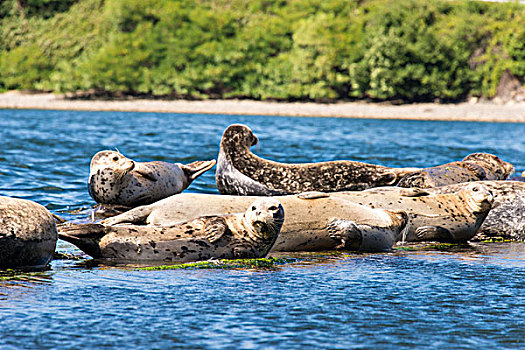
x,y
474,167
28,234
246,235
240,172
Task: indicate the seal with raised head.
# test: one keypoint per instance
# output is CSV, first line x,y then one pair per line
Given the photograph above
x,y
240,172
28,234
314,222
453,217
247,235
116,179
474,167
506,219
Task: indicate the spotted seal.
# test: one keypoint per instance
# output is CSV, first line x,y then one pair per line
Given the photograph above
x,y
116,179
240,172
453,217
474,167
506,219
28,234
247,235
313,222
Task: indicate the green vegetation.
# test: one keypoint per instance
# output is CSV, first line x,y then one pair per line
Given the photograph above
x,y
320,50
225,264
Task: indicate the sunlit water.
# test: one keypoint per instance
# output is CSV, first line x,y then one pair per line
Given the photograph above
x,y
466,297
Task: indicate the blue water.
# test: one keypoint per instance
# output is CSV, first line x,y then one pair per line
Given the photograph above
x,y
466,297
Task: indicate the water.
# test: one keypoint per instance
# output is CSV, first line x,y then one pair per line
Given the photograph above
x,y
465,297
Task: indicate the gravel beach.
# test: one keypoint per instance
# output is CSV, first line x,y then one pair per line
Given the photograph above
x,y
481,111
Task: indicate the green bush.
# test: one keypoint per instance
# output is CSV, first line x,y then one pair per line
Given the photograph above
x,y
320,50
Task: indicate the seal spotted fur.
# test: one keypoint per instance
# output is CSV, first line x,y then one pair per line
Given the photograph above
x,y
235,236
28,234
313,222
240,172
506,219
452,217
474,167
116,179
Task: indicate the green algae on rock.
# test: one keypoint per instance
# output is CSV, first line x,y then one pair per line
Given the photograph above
x,y
225,264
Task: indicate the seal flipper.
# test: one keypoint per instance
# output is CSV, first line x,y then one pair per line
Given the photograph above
x,y
312,195
146,173
196,169
85,236
215,229
433,233
413,192
135,216
346,233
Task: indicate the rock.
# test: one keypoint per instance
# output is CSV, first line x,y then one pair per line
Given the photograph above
x,y
28,234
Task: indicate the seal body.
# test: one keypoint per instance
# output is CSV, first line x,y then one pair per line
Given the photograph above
x,y
452,217
313,222
116,179
240,172
474,167
506,219
28,234
236,236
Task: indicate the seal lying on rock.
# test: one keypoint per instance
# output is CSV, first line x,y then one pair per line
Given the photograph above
x,y
474,167
115,179
28,234
235,236
453,217
506,219
313,222
240,172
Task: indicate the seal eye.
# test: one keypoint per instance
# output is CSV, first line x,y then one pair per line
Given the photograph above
x,y
253,208
273,207
115,159
475,189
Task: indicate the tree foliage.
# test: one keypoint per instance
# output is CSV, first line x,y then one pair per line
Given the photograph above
x,y
262,49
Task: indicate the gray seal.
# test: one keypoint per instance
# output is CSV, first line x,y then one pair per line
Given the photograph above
x,y
506,219
116,179
314,222
451,217
236,236
474,167
240,172
28,234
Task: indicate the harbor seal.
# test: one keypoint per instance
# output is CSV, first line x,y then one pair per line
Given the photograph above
x,y
240,172
506,219
28,234
116,179
313,222
474,167
247,235
452,217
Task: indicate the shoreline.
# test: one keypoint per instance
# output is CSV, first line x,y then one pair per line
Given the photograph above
x,y
513,112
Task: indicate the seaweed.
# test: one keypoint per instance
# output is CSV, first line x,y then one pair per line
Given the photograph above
x,y
263,263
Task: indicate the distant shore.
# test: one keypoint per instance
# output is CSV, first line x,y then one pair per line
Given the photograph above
x,y
467,111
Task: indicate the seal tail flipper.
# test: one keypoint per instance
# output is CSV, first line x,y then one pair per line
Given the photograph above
x,y
196,169
85,236
433,233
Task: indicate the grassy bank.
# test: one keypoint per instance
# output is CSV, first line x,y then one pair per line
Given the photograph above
x,y
318,50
